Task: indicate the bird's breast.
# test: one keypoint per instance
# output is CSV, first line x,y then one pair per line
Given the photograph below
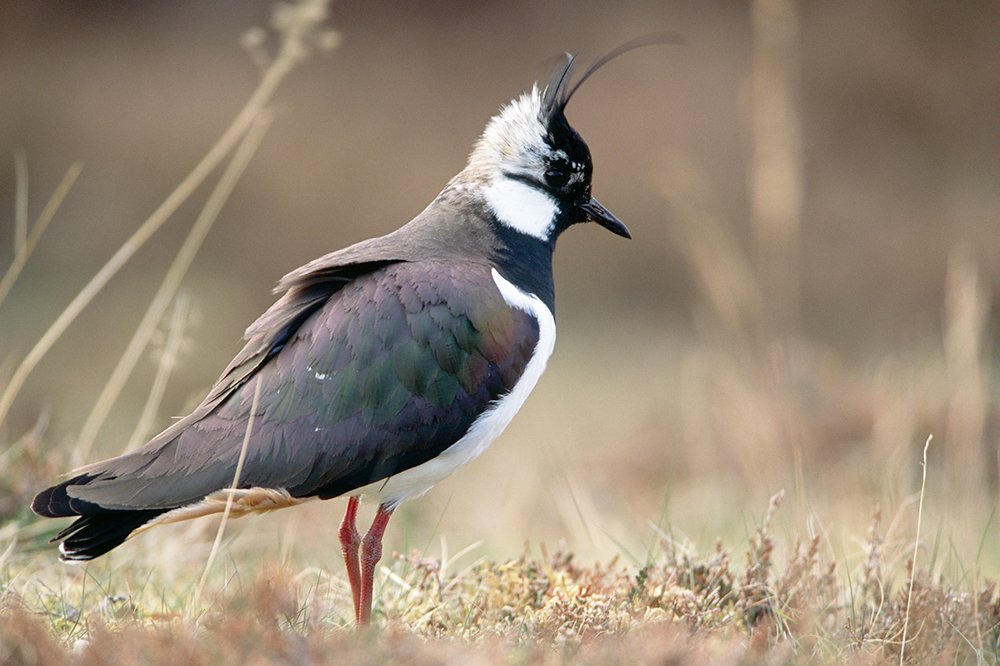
x,y
491,423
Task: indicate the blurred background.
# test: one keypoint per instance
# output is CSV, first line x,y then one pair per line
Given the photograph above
x,y
811,292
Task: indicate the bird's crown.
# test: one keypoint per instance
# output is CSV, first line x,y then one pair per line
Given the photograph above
x,y
530,139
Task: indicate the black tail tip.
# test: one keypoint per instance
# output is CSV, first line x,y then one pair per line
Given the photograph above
x,y
55,502
40,505
92,536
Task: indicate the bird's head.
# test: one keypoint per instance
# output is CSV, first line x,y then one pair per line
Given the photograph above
x,y
535,168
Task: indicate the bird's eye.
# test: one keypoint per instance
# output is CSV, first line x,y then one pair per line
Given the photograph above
x,y
557,175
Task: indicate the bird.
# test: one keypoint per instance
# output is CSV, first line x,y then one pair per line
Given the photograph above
x,y
381,368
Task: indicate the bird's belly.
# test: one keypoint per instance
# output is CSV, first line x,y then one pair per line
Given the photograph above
x,y
418,480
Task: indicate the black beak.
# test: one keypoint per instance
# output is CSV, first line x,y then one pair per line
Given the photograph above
x,y
604,217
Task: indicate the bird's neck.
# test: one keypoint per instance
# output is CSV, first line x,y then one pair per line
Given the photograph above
x,y
524,260
513,245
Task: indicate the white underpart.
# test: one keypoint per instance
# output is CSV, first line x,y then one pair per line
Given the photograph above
x,y
418,480
522,207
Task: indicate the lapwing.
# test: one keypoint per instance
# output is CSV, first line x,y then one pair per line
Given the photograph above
x,y
383,367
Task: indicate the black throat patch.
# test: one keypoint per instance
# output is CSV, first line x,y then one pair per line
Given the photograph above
x,y
525,260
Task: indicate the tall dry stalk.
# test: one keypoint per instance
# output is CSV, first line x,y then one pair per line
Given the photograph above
x,y
916,548
170,284
167,361
24,250
196,597
965,335
776,201
776,163
299,26
20,201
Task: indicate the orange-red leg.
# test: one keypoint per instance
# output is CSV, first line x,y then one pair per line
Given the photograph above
x,y
350,541
371,553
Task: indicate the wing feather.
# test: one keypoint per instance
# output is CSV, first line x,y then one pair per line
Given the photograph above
x,y
381,376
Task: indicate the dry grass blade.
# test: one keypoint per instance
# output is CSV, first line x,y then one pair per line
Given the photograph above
x,y
916,546
170,284
31,242
20,201
966,350
229,500
167,361
776,174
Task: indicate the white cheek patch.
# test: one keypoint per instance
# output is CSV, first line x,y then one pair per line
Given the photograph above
x,y
522,207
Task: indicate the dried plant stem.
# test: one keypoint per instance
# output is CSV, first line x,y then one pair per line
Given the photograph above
x,y
776,167
967,465
20,201
292,51
229,500
171,351
31,241
171,282
916,546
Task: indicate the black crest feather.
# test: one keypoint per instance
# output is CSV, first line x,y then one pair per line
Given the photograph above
x,y
558,91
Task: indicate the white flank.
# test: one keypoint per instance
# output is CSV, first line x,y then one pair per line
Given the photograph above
x,y
522,207
418,480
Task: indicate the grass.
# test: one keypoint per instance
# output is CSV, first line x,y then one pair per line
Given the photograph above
x,y
743,607
661,534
